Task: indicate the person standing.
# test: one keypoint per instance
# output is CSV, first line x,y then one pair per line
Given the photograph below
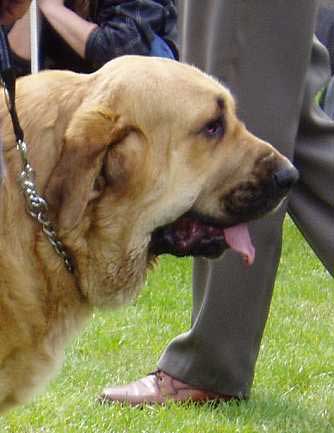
x,y
264,51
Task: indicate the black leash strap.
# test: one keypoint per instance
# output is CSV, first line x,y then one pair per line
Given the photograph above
x,y
5,62
8,78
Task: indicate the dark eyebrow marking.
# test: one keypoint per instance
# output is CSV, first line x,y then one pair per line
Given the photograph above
x,y
221,104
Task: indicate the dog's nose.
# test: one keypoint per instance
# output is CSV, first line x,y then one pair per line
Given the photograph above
x,y
285,178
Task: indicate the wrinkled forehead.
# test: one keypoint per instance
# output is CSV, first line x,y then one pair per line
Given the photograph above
x,y
185,89
168,90
190,86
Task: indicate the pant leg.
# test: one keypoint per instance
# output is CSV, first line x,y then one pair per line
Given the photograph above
x,y
261,50
311,204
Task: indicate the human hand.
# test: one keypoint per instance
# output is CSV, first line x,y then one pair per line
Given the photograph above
x,y
11,10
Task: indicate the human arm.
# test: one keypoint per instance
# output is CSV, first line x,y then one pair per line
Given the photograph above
x,y
19,38
128,27
122,27
70,26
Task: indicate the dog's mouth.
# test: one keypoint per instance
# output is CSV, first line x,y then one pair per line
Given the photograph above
x,y
195,235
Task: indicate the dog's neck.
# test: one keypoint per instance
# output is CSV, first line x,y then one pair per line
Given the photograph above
x,y
20,235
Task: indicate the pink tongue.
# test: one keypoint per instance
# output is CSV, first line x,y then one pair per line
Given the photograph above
x,y
237,237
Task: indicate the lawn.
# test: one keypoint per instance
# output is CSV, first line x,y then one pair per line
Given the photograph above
x,y
294,384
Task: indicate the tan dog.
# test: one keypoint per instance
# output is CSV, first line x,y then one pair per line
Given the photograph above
x,y
120,155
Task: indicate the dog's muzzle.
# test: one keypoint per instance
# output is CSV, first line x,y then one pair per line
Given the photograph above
x,y
286,178
198,235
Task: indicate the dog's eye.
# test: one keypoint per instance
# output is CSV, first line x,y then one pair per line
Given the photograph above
x,y
215,128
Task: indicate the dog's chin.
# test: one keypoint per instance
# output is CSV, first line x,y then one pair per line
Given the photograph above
x,y
190,235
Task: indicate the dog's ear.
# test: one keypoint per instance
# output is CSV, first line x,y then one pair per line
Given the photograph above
x,y
73,183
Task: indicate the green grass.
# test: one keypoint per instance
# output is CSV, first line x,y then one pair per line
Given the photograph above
x,y
294,384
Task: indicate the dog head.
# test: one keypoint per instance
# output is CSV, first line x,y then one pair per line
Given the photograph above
x,y
154,159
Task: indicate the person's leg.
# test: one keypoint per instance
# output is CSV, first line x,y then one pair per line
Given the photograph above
x,y
311,203
261,49
264,61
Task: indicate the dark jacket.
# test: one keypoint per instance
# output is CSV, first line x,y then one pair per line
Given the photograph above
x,y
124,27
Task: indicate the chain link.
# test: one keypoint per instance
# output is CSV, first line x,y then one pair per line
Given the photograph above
x,y
37,206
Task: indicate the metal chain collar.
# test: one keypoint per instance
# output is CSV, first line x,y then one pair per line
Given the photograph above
x,y
36,205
